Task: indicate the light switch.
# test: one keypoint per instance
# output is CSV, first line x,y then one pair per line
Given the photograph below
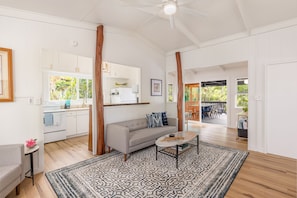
x,y
258,98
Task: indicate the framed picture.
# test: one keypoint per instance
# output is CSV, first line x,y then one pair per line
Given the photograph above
x,y
6,86
156,87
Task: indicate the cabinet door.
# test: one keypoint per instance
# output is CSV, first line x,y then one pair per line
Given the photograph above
x,y
82,121
85,65
67,62
71,123
49,59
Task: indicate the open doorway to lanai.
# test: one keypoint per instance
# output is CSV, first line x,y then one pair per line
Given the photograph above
x,y
192,101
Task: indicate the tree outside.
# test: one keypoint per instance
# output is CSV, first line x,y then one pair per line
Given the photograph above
x,y
70,88
214,94
62,88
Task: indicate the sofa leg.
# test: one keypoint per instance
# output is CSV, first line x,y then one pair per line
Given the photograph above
x,y
17,189
125,157
108,149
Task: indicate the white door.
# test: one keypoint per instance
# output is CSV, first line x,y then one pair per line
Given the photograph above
x,y
281,109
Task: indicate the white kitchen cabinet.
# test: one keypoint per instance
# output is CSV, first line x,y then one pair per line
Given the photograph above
x,y
49,59
77,122
67,62
71,123
84,65
82,122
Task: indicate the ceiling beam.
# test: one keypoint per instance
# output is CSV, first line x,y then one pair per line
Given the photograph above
x,y
183,29
243,16
221,67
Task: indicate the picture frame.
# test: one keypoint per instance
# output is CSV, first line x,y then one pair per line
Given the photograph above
x,y
156,87
6,81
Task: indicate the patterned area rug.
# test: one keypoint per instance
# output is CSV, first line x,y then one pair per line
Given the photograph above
x,y
208,174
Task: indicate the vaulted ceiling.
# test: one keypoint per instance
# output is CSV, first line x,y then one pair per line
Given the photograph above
x,y
197,22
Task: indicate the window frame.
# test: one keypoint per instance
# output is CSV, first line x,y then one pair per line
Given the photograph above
x,y
240,93
78,100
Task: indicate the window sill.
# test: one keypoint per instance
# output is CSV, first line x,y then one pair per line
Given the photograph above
x,y
123,104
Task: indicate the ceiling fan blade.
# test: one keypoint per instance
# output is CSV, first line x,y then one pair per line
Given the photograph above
x,y
192,11
147,21
184,2
138,3
171,20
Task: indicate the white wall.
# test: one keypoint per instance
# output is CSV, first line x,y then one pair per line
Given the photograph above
x,y
27,33
259,50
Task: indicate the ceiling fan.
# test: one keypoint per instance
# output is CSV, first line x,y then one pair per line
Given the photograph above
x,y
166,9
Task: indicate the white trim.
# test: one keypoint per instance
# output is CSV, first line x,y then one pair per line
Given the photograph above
x,y
37,17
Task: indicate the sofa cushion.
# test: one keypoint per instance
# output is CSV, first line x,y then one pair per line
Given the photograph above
x,y
134,124
8,174
147,134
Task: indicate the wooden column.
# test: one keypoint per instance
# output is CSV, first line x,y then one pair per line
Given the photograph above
x,y
90,144
99,92
179,92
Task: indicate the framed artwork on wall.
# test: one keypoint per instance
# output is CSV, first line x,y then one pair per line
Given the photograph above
x,y
156,87
6,83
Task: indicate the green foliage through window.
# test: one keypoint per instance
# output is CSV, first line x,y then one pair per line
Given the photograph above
x,y
69,88
214,94
170,92
242,93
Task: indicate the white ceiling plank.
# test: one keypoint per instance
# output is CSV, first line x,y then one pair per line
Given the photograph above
x,y
243,16
183,29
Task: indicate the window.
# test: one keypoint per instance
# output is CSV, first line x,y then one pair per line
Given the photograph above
x,y
170,92
242,93
69,87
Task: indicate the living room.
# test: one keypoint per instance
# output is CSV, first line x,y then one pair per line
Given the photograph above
x,y
26,33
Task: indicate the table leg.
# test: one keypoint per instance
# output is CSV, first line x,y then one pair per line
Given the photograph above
x,y
32,167
156,152
197,144
176,156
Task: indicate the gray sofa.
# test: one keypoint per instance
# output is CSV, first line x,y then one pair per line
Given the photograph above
x,y
11,168
132,135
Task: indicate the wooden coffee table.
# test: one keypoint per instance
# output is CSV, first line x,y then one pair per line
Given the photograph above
x,y
174,143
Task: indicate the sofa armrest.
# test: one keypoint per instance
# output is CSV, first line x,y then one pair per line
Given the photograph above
x,y
117,137
172,121
12,154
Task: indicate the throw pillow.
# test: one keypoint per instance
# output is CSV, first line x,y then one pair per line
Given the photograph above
x,y
157,117
164,118
149,120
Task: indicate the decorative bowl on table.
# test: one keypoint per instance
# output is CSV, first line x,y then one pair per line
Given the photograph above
x,y
31,143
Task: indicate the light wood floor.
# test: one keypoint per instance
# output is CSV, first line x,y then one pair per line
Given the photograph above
x,y
260,176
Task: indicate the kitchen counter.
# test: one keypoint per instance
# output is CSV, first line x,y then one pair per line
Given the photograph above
x,y
66,110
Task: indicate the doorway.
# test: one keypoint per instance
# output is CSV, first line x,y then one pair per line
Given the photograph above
x,y
213,102
192,101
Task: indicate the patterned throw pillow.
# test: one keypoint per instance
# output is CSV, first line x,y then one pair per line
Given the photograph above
x,y
149,120
164,118
157,117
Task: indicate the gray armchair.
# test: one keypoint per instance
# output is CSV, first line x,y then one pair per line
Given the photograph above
x,y
11,168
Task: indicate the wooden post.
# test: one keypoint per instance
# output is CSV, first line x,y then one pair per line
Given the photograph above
x,y
90,144
99,92
180,92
